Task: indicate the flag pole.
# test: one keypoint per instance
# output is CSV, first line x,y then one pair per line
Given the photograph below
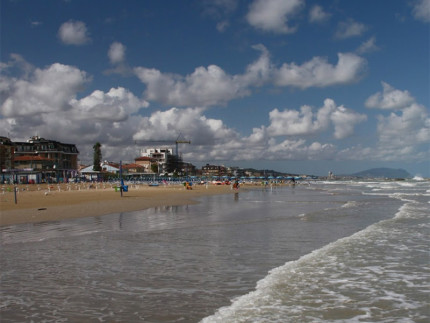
x,y
121,186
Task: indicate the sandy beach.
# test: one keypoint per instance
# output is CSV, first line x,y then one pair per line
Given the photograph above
x,y
39,203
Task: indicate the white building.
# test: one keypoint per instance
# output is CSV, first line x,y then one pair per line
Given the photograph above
x,y
90,174
158,154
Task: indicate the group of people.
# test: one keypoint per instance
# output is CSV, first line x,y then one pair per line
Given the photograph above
x,y
189,185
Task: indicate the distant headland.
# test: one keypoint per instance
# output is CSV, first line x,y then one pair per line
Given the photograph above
x,y
383,173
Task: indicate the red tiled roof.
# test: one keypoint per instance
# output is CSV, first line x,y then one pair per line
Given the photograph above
x,y
143,159
111,165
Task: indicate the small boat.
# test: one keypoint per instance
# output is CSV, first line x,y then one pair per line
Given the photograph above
x,y
153,184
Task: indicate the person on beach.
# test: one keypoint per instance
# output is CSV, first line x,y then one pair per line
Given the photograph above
x,y
236,185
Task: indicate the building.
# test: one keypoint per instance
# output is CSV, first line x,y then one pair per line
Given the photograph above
x,y
57,155
108,168
213,170
236,172
6,154
133,169
146,163
34,163
159,156
188,169
38,160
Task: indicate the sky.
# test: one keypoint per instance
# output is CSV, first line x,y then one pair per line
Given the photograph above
x,y
297,86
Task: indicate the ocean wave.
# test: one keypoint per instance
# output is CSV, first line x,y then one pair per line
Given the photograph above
x,y
350,204
347,279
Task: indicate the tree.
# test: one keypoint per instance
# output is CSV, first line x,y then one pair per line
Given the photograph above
x,y
174,164
154,168
97,157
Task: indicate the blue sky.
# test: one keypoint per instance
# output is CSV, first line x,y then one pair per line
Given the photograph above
x,y
294,85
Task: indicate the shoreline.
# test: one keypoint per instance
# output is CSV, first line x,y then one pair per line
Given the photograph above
x,y
41,203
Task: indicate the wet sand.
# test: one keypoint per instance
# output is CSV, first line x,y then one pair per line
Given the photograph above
x,y
40,203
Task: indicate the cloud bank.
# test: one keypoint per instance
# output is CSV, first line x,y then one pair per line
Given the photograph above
x,y
211,86
117,117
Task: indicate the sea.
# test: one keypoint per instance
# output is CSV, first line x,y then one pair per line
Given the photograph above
x,y
319,251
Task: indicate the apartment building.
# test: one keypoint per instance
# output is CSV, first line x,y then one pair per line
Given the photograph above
x,y
159,156
46,154
39,159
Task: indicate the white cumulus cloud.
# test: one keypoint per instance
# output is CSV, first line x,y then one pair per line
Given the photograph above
x,y
44,102
408,127
306,122
116,105
389,99
299,149
190,122
273,15
318,15
74,33
206,86
116,53
46,90
421,10
211,86
344,121
368,46
319,73
402,134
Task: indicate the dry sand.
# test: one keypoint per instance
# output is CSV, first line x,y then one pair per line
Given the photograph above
x,y
39,203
